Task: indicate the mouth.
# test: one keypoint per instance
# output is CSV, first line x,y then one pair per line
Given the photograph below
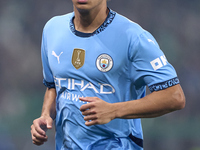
x,y
82,1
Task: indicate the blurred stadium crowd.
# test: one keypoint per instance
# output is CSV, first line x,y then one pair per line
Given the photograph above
x,y
174,23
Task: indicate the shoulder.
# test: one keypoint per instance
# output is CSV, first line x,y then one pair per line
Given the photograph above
x,y
131,31
128,26
140,41
58,21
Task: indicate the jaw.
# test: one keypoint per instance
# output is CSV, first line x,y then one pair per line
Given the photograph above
x,y
84,6
82,9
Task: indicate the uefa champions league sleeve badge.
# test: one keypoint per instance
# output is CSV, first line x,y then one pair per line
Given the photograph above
x,y
104,63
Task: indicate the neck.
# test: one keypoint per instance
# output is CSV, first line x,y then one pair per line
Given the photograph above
x,y
88,21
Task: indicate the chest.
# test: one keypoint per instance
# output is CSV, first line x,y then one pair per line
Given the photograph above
x,y
96,58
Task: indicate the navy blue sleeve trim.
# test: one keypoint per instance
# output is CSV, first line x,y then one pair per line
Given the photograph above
x,y
164,85
137,140
49,84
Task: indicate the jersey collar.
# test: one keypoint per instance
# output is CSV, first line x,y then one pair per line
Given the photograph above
x,y
109,19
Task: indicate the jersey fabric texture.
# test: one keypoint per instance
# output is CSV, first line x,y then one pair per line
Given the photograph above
x,y
114,63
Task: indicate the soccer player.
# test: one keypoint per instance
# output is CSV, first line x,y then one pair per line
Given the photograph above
x,y
96,65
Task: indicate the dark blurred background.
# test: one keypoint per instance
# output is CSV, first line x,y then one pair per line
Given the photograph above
x,y
174,23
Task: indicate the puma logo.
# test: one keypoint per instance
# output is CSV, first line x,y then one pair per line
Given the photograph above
x,y
151,41
57,56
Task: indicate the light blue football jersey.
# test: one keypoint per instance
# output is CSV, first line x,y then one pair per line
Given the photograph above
x,y
115,63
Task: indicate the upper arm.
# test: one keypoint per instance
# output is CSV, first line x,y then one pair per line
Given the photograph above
x,y
47,73
149,65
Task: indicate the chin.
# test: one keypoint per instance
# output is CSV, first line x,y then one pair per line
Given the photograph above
x,y
82,7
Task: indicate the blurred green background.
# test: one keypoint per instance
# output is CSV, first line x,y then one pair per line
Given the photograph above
x,y
174,23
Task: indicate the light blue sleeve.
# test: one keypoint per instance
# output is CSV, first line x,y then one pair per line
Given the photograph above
x,y
47,73
149,64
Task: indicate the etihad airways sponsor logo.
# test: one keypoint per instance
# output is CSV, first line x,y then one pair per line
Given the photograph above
x,y
72,84
72,97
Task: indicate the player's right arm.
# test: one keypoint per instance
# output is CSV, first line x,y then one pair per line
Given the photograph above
x,y
45,121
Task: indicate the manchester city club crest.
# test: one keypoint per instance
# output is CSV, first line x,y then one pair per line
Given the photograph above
x,y
104,63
